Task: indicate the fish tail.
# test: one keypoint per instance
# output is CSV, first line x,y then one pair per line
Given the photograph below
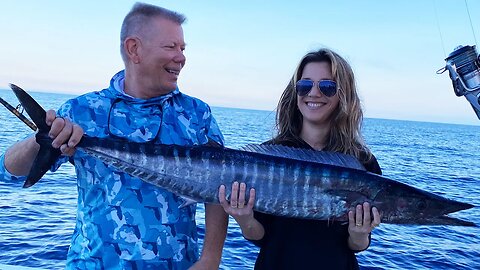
x,y
47,155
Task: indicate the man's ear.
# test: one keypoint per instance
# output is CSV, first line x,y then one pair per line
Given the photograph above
x,y
132,47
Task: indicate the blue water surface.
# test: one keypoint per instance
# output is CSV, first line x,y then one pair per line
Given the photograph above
x,y
36,223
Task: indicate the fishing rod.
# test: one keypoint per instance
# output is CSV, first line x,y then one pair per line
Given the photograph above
x,y
463,65
18,114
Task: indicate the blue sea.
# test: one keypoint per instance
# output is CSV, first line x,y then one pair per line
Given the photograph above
x,y
36,223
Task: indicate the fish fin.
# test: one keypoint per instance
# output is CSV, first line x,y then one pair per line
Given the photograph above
x,y
46,157
33,109
212,143
187,202
323,157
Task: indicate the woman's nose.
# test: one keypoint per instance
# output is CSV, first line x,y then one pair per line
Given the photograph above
x,y
315,91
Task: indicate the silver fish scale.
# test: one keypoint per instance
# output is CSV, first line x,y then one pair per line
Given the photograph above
x,y
284,187
277,185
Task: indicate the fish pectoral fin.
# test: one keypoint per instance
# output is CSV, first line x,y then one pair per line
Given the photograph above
x,y
187,202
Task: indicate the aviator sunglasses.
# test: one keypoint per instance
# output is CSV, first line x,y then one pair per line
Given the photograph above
x,y
327,87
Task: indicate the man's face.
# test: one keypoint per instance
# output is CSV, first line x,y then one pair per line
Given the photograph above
x,y
161,56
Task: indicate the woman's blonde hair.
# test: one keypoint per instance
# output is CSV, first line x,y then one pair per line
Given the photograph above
x,y
346,121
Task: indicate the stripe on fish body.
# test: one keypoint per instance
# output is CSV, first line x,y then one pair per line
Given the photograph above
x,y
286,183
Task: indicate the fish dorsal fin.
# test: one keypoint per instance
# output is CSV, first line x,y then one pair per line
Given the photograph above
x,y
309,155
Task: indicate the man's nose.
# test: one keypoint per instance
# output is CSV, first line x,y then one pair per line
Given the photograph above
x,y
180,58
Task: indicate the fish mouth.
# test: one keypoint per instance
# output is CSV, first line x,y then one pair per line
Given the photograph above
x,y
441,220
422,208
446,220
458,206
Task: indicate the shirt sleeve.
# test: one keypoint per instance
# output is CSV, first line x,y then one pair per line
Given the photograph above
x,y
5,175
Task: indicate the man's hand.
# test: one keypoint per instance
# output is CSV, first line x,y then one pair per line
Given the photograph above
x,y
65,134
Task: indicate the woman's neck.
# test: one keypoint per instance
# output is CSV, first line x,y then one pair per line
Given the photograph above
x,y
315,135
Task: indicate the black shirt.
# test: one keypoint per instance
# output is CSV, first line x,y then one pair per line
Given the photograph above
x,y
291,243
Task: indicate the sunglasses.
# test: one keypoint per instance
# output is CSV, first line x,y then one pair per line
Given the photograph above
x,y
327,87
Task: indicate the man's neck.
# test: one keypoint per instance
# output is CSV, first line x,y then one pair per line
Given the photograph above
x,y
133,87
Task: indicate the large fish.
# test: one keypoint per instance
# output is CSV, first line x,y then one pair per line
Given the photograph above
x,y
288,182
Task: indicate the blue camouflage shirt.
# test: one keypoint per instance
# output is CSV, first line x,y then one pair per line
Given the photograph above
x,y
123,222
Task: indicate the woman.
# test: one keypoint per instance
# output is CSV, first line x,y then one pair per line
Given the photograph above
x,y
319,109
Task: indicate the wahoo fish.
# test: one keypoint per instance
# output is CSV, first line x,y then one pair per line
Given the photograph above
x,y
288,182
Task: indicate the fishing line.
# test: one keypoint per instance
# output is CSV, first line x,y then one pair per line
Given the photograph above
x,y
438,27
471,24
440,31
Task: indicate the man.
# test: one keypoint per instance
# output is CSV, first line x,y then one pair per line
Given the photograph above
x,y
123,222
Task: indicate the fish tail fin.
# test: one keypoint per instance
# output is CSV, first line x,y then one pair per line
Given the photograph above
x,y
47,155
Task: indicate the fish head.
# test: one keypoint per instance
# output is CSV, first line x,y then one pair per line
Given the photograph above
x,y
408,205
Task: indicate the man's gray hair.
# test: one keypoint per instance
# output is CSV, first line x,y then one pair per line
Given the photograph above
x,y
139,16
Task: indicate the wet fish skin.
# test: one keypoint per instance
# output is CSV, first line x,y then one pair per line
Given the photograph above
x,y
284,186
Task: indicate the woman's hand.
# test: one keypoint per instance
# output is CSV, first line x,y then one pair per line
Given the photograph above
x,y
237,207
242,212
360,225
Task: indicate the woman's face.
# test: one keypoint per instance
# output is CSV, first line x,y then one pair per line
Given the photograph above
x,y
315,107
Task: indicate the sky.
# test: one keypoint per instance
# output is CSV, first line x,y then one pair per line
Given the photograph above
x,y
241,54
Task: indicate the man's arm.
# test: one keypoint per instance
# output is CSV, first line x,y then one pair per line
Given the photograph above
x,y
20,156
65,135
216,223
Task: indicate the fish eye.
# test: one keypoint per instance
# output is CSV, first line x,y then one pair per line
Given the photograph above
x,y
421,205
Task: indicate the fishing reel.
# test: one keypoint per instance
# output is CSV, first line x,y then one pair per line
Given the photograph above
x,y
463,65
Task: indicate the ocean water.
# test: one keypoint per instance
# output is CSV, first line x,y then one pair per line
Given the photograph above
x,y
36,223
